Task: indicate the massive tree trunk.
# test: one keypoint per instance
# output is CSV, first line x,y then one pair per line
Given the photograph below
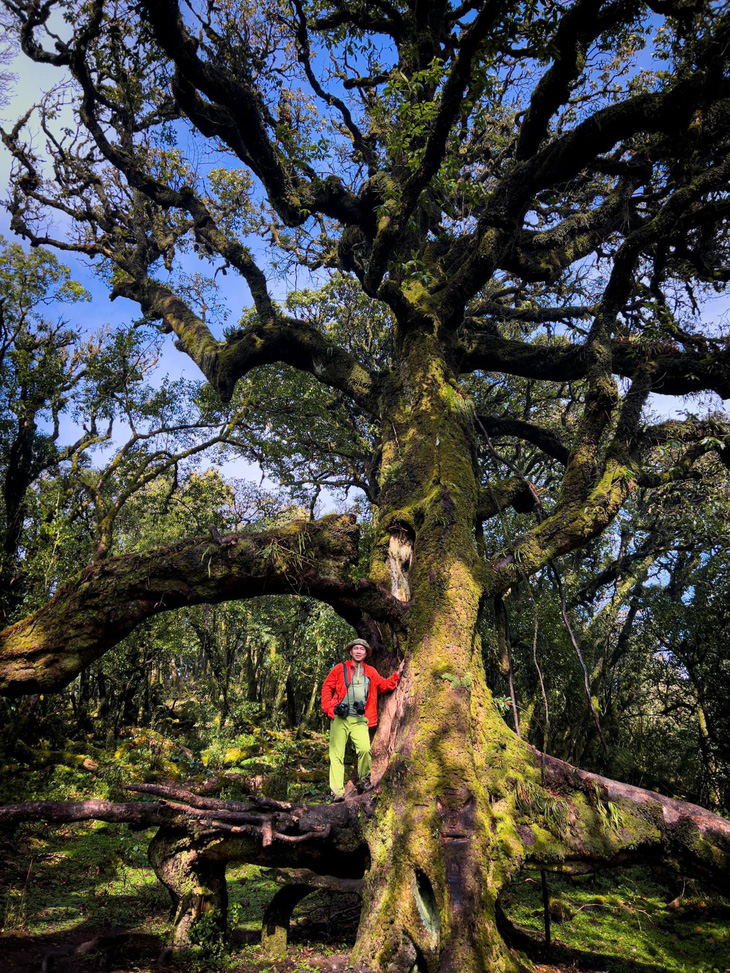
x,y
440,850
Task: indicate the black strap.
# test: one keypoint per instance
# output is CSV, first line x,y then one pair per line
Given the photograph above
x,y
347,684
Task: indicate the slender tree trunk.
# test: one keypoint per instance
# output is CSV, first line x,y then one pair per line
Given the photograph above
x,y
279,698
291,705
707,744
308,718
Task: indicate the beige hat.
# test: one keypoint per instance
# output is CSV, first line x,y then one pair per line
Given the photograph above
x,y
363,643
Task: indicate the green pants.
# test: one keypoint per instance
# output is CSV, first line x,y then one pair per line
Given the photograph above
x,y
356,729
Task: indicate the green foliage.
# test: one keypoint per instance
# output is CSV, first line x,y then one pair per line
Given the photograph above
x,y
41,365
534,801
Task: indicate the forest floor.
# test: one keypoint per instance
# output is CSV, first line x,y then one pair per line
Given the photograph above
x,y
82,898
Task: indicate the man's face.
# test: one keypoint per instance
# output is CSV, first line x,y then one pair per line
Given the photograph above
x,y
358,653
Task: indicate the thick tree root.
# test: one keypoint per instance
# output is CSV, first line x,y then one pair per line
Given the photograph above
x,y
197,887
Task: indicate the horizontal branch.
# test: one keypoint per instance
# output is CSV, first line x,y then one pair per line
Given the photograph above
x,y
495,313
303,347
610,823
145,815
545,440
108,599
304,876
672,370
325,839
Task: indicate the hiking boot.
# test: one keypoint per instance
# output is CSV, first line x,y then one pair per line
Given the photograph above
x,y
364,785
336,798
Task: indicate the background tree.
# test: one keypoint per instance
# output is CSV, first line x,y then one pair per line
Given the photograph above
x,y
523,194
40,367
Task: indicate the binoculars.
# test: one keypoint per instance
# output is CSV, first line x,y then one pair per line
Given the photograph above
x,y
343,708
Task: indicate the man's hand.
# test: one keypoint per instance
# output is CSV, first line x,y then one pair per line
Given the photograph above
x,y
401,667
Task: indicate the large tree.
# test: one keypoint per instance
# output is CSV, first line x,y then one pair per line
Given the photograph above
x,y
531,201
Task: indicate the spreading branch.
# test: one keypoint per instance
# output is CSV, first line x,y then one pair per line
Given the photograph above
x,y
228,106
104,603
545,440
278,339
672,371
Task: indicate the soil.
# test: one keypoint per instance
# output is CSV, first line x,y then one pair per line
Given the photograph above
x,y
128,951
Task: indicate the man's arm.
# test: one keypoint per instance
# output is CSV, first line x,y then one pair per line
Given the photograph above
x,y
389,684
329,691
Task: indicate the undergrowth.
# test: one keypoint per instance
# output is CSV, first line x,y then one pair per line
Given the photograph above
x,y
67,884
625,921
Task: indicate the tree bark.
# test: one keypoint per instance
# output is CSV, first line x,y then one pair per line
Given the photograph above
x,y
438,843
197,887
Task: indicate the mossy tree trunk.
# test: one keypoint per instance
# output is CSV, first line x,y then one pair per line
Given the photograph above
x,y
440,849
197,887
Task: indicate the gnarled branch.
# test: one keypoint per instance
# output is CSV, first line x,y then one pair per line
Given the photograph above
x,y
673,371
609,823
277,339
107,600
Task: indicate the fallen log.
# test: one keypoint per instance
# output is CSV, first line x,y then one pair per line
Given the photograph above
x,y
199,835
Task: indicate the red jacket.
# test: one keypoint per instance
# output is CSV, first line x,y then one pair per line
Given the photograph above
x,y
334,689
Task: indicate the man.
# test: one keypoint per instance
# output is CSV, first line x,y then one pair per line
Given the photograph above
x,y
350,700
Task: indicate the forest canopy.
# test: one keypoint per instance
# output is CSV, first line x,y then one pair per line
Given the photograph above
x,y
461,270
